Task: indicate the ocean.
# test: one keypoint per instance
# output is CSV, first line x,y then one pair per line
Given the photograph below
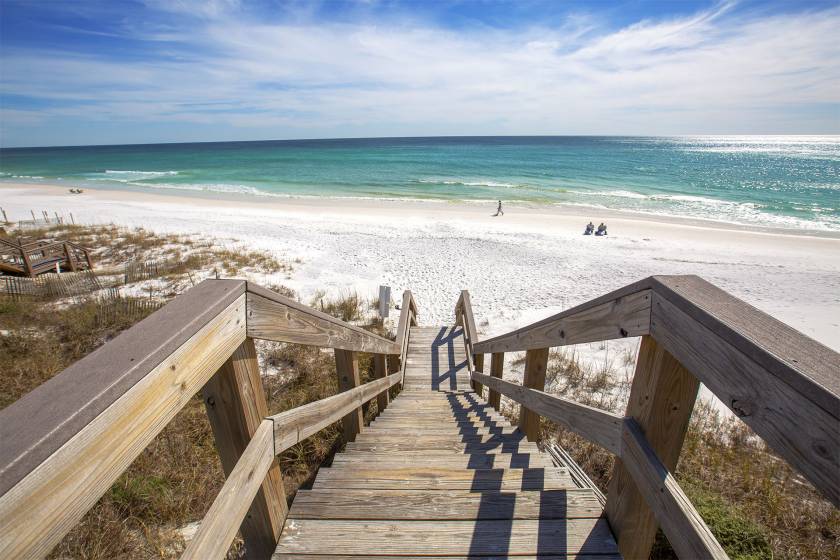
x,y
768,181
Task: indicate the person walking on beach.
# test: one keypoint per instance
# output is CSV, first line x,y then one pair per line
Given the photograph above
x,y
499,211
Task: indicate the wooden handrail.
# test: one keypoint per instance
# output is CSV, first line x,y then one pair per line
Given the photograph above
x,y
598,426
785,385
222,520
65,443
275,317
408,318
686,531
619,314
293,426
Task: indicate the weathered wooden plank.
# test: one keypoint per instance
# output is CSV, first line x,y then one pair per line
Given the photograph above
x,y
281,556
405,429
536,361
380,370
661,400
423,538
275,317
408,446
39,510
598,426
619,314
441,478
221,523
685,529
771,406
39,423
389,505
293,426
450,460
347,371
798,360
236,406
497,366
443,439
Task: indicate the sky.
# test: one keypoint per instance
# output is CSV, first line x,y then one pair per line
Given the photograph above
x,y
76,72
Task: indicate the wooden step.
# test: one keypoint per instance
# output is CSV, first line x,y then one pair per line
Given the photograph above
x,y
446,538
575,503
419,447
450,460
441,478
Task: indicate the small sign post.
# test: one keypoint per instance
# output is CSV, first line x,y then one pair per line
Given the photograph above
x,y
384,301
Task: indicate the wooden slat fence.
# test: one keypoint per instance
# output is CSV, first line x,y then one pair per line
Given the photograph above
x,y
50,286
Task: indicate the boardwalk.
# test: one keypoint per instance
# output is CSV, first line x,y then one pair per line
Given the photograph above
x,y
441,473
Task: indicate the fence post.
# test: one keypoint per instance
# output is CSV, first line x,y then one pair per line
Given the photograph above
x,y
497,364
535,364
380,369
347,370
661,400
236,406
478,364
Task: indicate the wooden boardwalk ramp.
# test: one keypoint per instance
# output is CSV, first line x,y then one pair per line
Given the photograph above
x,y
441,474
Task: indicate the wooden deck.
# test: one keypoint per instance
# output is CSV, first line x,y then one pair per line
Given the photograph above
x,y
441,474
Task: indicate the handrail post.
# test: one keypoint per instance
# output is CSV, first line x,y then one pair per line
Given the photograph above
x,y
536,361
661,400
478,365
380,369
236,406
347,371
497,365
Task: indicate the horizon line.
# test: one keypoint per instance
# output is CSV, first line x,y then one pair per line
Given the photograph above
x,y
347,138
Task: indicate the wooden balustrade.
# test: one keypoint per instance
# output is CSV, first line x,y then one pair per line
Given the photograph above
x,y
65,443
785,385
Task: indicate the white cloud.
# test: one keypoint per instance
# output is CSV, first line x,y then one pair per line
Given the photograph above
x,y
708,73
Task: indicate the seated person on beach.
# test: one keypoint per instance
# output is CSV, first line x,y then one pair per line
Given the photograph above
x,y
590,227
602,229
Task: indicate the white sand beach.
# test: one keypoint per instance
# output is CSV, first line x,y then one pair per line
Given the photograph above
x,y
525,265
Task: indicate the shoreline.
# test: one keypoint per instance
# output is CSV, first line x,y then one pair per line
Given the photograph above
x,y
459,207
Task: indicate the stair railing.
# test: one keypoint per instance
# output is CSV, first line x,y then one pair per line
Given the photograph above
x,y
784,385
64,444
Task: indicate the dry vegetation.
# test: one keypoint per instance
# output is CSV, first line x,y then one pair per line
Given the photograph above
x,y
756,505
153,505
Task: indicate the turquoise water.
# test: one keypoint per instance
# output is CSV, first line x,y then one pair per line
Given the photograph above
x,y
780,181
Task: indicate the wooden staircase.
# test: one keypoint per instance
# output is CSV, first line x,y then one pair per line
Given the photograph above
x,y
441,473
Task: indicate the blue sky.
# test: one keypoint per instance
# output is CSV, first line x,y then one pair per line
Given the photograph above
x,y
105,72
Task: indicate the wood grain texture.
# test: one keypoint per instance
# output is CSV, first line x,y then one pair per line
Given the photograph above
x,y
293,426
236,405
623,313
347,371
282,556
598,426
661,400
423,538
421,505
274,317
441,478
801,431
497,366
40,509
380,370
686,531
536,361
38,424
800,361
222,521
